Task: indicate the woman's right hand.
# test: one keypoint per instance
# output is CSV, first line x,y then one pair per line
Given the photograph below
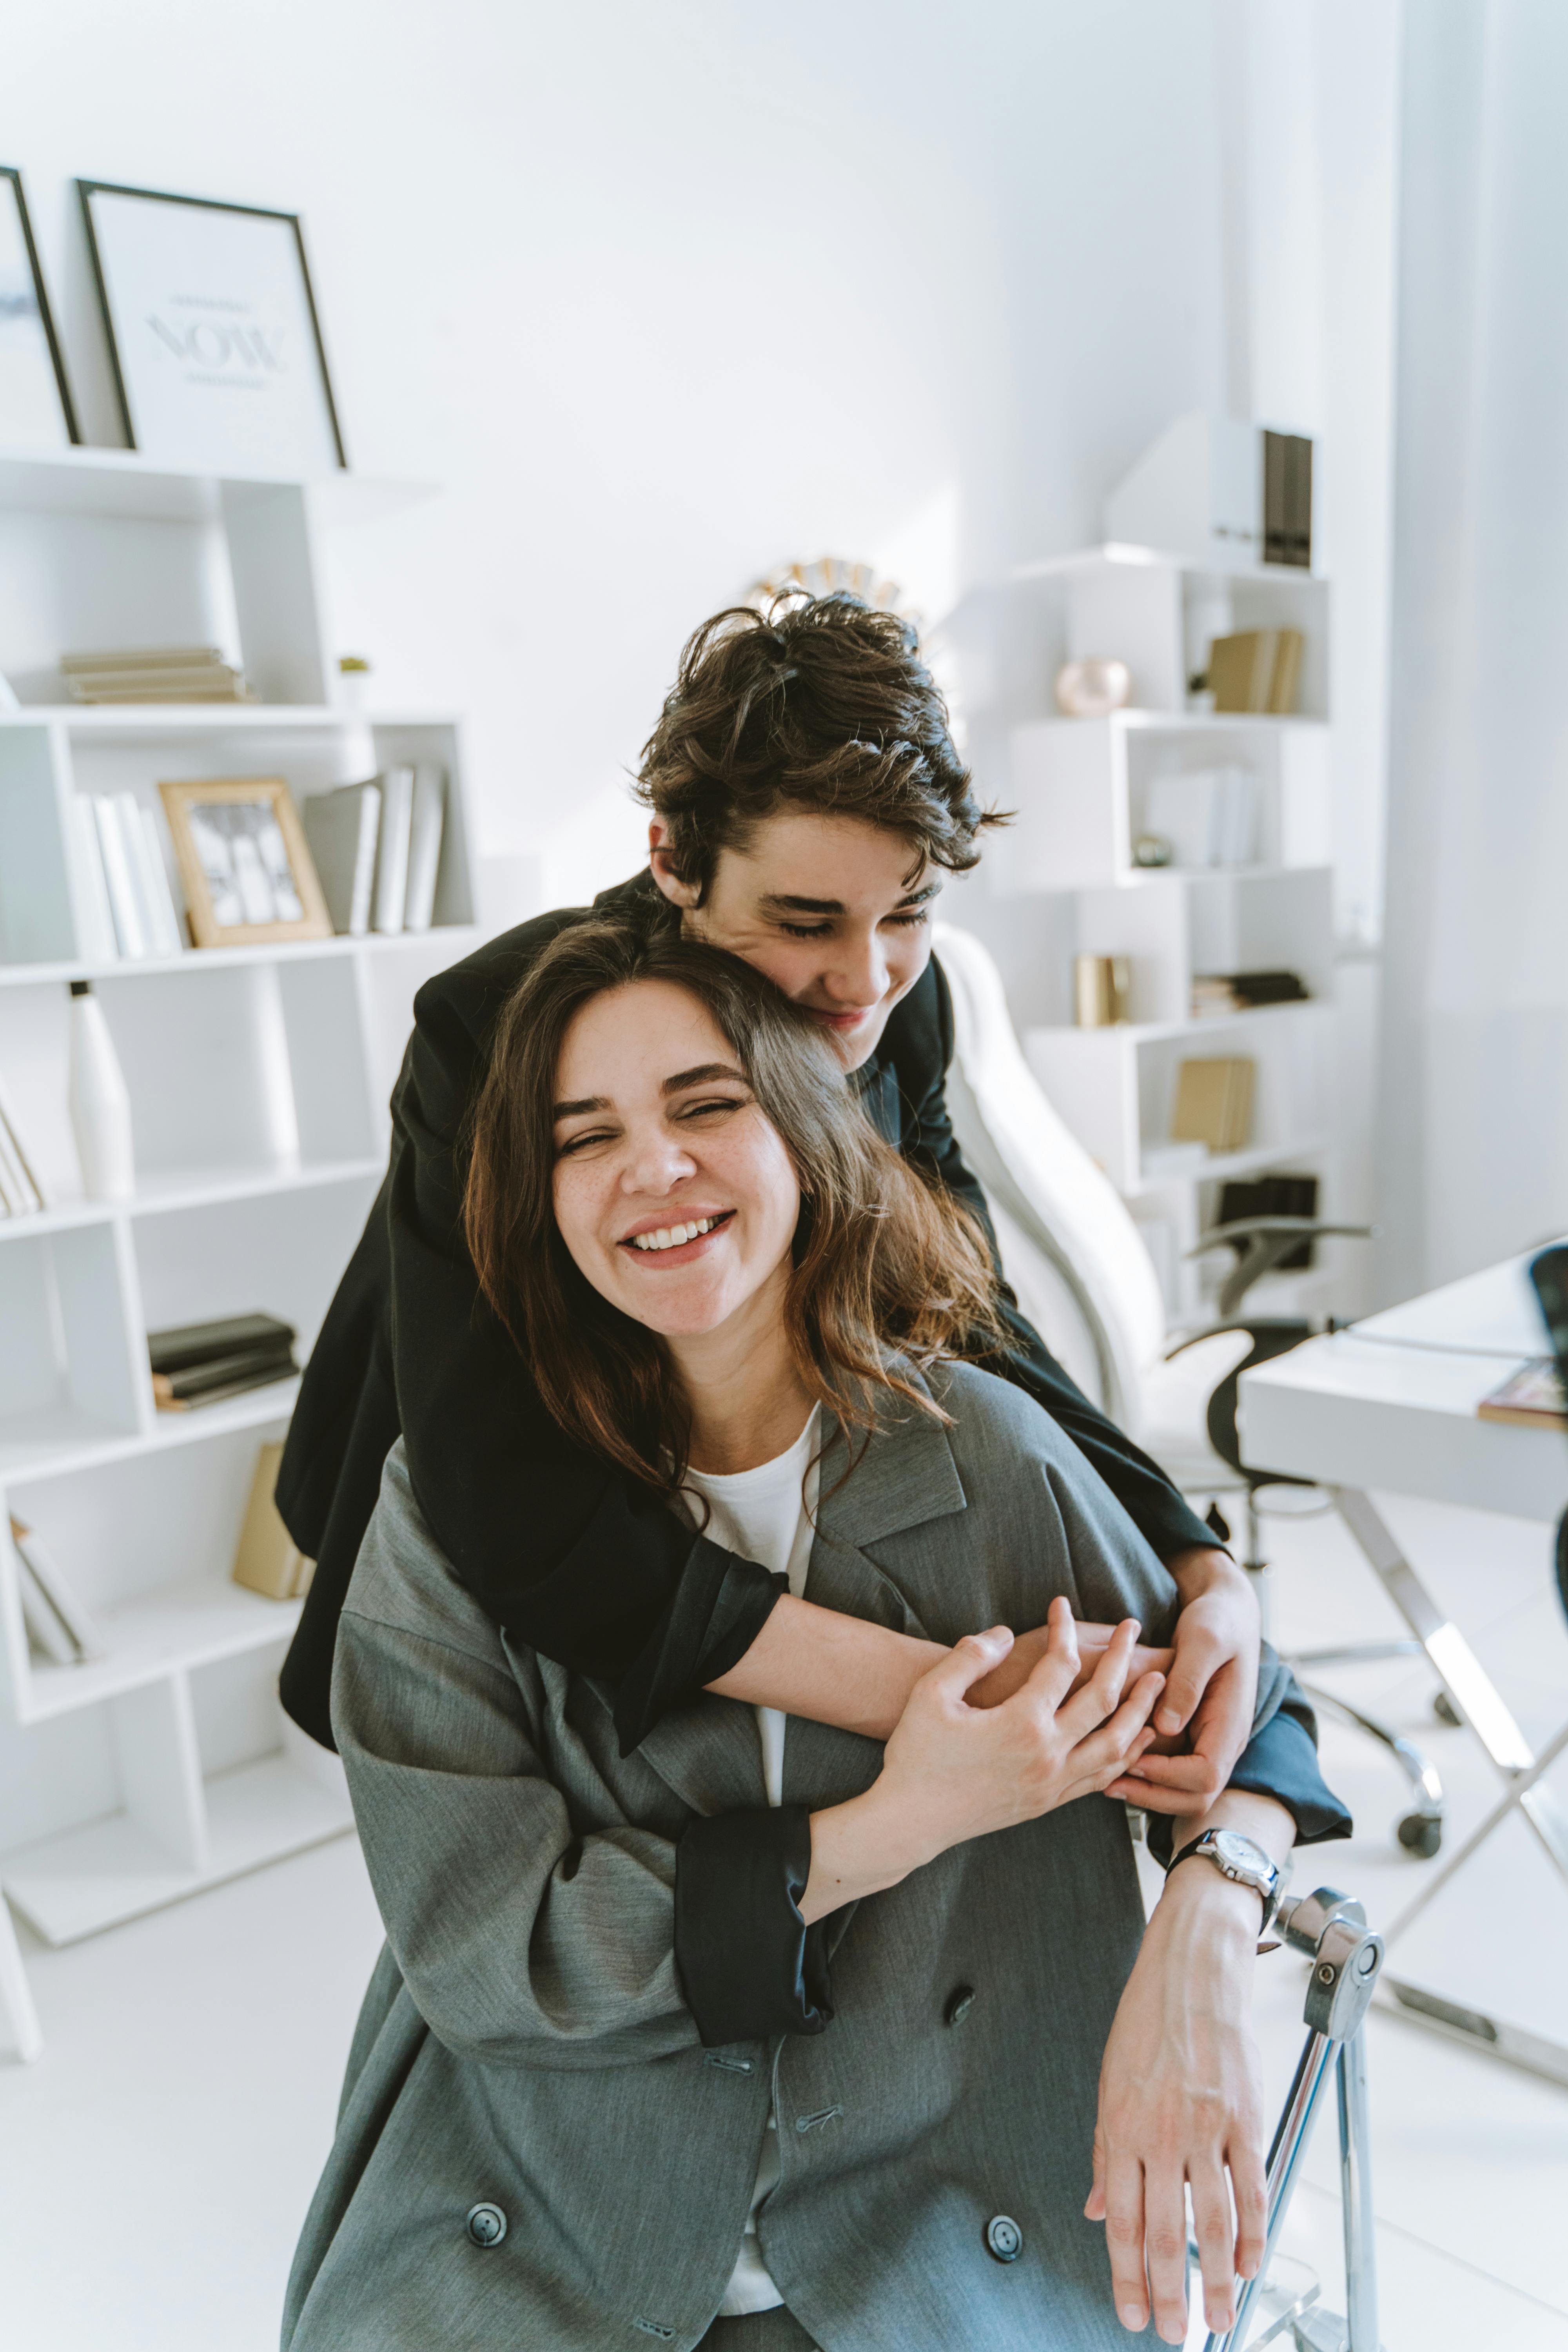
x,y
951,1771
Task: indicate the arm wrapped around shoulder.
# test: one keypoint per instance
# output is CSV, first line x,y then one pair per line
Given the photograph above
x,y
522,1938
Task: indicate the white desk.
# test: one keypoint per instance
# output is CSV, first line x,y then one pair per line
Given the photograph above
x,y
1390,1404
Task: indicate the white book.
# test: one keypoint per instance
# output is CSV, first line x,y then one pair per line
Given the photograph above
x,y
166,939
21,1179
147,877
392,855
1233,836
36,1556
342,828
125,899
424,847
98,943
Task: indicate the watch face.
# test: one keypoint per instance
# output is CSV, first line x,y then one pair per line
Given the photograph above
x,y
1240,1853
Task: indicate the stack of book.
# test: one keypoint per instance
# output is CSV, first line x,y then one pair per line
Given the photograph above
x,y
1219,994
164,674
377,849
20,1191
1257,669
201,1364
118,855
57,1625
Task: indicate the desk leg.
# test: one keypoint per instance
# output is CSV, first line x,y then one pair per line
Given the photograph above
x,y
1472,1691
1457,1668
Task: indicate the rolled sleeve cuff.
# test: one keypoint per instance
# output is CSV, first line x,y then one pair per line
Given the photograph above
x,y
719,1606
1279,1761
750,1966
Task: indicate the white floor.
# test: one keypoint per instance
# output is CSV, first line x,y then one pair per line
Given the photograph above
x,y
155,2163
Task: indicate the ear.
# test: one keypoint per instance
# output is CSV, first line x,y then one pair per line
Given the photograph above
x,y
678,893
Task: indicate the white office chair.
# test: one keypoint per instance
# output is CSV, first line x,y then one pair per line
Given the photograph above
x,y
1083,1276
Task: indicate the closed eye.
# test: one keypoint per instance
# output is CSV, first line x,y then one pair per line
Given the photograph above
x,y
590,1135
912,921
709,1104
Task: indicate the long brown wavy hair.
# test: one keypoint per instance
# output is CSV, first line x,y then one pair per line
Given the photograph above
x,y
887,1271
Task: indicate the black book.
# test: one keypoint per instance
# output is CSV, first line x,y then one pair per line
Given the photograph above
x,y
1266,987
189,1344
1272,1196
1288,500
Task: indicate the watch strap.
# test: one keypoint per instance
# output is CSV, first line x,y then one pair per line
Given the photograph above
x,y
1202,1848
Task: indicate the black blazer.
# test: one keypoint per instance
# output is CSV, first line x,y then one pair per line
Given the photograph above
x,y
555,1545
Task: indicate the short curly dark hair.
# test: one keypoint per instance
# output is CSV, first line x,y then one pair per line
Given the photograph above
x,y
821,703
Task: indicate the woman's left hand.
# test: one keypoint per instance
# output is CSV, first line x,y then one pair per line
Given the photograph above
x,y
1180,2105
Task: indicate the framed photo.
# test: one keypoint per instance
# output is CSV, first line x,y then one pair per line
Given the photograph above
x,y
244,863
213,332
35,410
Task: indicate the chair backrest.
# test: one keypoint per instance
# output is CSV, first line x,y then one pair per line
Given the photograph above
x,y
1083,1262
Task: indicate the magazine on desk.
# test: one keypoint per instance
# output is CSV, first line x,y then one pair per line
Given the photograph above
x,y
1530,1398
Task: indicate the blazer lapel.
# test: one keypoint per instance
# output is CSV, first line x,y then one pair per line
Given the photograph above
x,y
906,1476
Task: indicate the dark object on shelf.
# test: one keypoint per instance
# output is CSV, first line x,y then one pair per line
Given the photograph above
x,y
252,1368
187,1345
1218,992
1269,987
1271,1196
1288,500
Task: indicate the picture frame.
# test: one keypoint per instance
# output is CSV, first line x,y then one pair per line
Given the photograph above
x,y
212,330
35,407
244,862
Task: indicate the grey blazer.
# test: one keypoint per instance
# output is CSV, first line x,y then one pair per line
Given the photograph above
x,y
525,2043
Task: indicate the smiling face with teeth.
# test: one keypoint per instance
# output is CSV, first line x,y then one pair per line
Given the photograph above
x,y
673,1191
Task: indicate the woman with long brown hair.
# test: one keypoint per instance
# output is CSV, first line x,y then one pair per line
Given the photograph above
x,y
765,2036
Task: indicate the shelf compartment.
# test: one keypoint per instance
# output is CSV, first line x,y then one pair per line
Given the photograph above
x,y
1115,1088
90,1878
67,1375
173,1627
1082,786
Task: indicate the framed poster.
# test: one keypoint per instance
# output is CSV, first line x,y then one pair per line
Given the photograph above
x,y
35,410
244,863
213,331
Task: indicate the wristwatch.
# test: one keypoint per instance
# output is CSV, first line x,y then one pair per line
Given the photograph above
x,y
1242,1860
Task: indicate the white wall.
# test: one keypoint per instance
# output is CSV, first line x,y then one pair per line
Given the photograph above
x,y
665,296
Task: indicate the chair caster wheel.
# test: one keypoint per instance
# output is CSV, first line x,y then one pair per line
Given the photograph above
x,y
1445,1710
1419,1835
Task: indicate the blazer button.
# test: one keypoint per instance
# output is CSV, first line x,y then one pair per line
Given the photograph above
x,y
487,2224
1004,2239
960,2002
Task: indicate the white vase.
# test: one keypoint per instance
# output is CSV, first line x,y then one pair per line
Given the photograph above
x,y
99,1102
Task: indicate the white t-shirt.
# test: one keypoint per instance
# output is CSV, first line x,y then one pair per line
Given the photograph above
x,y
765,1514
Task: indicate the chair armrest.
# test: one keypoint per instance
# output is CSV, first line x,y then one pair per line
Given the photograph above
x,y
1267,1240
1299,1228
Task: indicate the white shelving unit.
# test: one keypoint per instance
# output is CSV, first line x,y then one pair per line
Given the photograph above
x,y
1080,788
258,1078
